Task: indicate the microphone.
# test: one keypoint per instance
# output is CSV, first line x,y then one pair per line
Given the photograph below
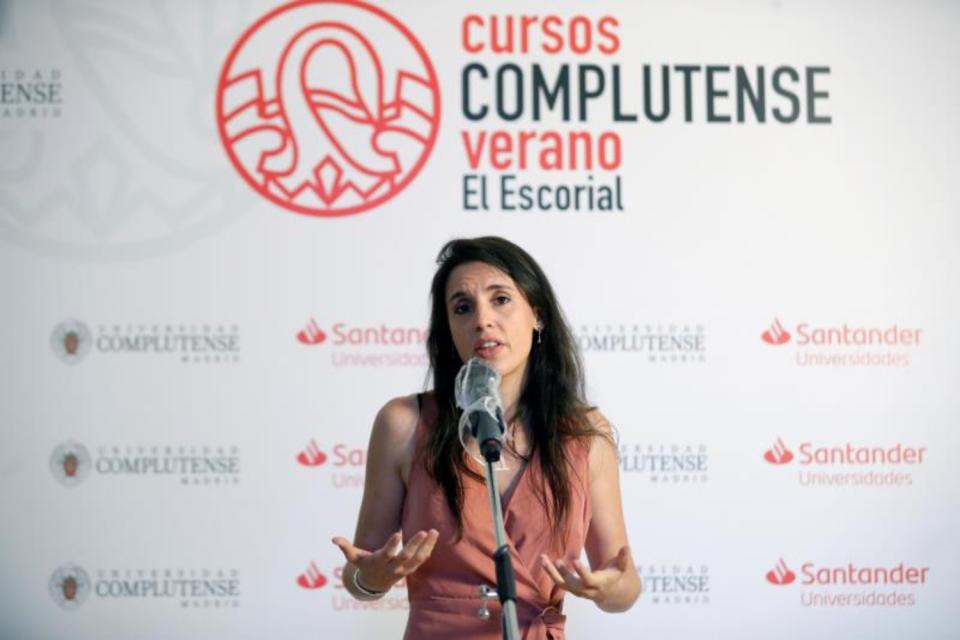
x,y
477,392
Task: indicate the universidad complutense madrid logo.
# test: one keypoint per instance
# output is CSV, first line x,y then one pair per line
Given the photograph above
x,y
71,341
328,107
70,463
191,588
69,586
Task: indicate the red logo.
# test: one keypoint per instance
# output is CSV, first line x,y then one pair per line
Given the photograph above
x,y
328,107
311,334
776,334
778,453
781,574
312,456
311,578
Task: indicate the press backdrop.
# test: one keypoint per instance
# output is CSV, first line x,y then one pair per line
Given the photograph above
x,y
219,222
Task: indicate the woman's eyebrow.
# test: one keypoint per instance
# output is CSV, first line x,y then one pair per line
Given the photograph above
x,y
456,295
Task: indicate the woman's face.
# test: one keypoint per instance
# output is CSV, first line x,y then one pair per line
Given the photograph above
x,y
490,318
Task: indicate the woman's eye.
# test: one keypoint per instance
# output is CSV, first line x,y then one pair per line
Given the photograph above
x,y
460,309
502,299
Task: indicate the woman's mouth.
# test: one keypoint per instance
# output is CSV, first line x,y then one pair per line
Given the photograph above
x,y
487,349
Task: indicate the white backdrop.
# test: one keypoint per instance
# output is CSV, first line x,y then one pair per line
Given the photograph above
x,y
195,356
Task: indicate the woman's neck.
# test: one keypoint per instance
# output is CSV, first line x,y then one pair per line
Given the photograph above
x,y
510,390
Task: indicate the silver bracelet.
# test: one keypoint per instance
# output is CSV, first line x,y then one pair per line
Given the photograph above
x,y
365,594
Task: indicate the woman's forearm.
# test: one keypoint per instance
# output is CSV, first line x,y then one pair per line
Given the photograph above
x,y
622,594
354,584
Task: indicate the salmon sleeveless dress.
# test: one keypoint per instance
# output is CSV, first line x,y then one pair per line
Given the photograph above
x,y
444,591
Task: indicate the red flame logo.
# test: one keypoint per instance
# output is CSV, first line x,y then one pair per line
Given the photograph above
x,y
781,574
311,578
312,456
778,453
311,334
776,334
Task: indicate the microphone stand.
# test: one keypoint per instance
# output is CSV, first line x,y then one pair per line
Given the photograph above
x,y
506,583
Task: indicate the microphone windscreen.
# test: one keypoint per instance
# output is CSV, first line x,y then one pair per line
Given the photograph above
x,y
477,379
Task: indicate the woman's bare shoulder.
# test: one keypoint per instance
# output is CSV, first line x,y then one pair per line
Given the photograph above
x,y
603,443
396,422
598,421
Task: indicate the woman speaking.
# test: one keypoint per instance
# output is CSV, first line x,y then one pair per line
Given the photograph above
x,y
425,514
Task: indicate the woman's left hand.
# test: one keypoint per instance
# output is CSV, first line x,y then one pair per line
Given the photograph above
x,y
597,585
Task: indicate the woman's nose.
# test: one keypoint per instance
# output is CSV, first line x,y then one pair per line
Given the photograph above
x,y
483,316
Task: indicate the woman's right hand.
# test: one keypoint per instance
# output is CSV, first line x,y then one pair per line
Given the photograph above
x,y
381,569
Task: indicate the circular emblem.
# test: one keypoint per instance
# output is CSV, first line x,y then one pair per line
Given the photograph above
x,y
69,586
328,107
70,463
71,341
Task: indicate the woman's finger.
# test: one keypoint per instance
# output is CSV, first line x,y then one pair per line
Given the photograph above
x,y
422,553
390,549
575,584
586,578
350,552
568,576
408,551
551,570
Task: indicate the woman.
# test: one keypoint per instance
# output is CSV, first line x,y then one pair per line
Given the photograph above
x,y
560,487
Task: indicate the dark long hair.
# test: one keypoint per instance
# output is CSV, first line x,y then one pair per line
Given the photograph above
x,y
552,401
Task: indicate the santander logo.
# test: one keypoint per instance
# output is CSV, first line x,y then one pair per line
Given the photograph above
x,y
850,573
778,453
848,454
312,456
311,334
311,578
781,574
844,335
328,108
776,334
343,455
345,334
